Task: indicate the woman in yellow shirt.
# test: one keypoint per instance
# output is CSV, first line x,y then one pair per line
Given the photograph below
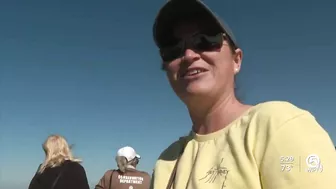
x,y
272,145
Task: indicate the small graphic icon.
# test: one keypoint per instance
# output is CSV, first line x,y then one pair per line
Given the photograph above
x,y
216,172
314,163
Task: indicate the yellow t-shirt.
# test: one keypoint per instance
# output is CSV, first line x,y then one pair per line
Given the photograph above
x,y
274,145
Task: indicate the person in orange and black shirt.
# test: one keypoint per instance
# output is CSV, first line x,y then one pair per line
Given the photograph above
x,y
126,176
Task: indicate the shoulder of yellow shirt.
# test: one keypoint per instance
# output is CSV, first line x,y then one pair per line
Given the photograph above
x,y
278,112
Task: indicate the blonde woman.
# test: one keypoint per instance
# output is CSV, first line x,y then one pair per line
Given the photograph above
x,y
60,170
126,176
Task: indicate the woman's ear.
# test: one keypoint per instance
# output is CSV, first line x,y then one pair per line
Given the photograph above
x,y
237,60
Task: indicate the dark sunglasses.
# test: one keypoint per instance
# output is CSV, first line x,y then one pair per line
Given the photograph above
x,y
198,42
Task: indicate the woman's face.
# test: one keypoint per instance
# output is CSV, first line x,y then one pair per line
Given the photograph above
x,y
202,73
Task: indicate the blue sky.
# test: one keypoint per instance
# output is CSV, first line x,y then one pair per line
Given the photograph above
x,y
89,70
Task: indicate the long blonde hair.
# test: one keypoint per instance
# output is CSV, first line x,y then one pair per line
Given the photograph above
x,y
56,150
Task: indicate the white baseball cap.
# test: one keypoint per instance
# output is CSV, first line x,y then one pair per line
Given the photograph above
x,y
128,152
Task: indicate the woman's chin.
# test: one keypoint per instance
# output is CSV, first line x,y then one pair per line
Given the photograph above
x,y
193,89
197,89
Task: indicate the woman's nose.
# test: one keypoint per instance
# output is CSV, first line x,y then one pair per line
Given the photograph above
x,y
190,55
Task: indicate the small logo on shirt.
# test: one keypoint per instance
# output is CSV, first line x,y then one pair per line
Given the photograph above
x,y
215,172
314,164
124,179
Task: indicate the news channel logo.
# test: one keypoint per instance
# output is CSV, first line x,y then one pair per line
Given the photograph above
x,y
314,164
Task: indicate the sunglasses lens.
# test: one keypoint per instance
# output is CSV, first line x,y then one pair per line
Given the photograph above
x,y
199,42
208,43
171,53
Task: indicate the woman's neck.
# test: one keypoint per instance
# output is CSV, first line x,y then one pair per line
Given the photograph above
x,y
130,167
218,116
